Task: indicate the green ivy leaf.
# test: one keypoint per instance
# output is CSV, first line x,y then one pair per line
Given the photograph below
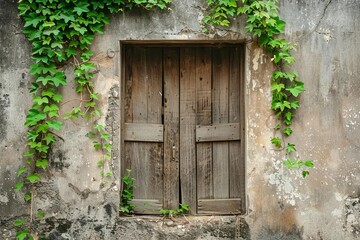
x,y
100,163
33,19
91,135
42,149
54,124
40,58
277,86
57,98
22,234
287,131
305,173
23,8
34,117
276,141
48,92
44,80
105,136
21,171
40,100
81,8
70,52
59,79
33,178
34,88
99,127
94,96
108,147
41,163
96,145
296,89
54,32
97,4
90,104
27,197
87,39
67,18
49,138
32,135
29,153
40,214
19,222
52,107
43,128
48,24
97,28
309,163
18,186
87,66
290,148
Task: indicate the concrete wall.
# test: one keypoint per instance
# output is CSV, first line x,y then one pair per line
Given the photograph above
x,y
280,203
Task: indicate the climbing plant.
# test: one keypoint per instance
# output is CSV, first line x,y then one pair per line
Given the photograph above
x,y
61,32
265,24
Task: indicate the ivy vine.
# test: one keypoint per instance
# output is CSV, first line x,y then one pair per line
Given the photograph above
x,y
265,24
61,32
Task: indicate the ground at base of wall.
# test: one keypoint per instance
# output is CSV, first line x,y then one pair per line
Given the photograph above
x,y
144,228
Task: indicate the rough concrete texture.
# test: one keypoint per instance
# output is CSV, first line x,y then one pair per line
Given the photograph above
x,y
151,227
79,204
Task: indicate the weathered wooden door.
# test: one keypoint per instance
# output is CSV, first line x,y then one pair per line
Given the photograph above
x,y
183,127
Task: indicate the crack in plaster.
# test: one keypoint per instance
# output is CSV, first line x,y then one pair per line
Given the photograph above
x,y
322,16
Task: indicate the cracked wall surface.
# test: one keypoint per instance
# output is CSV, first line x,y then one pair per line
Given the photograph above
x,y
80,204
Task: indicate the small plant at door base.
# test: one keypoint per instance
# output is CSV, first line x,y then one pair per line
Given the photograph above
x,y
183,209
127,195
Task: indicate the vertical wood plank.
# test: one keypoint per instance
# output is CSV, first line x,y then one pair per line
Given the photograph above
x,y
144,86
220,114
171,127
127,103
187,128
203,117
235,157
136,152
154,163
242,169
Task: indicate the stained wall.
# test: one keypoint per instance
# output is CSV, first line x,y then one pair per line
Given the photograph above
x,y
79,204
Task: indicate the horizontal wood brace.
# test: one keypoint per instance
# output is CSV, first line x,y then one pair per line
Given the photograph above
x,y
218,132
147,206
143,132
219,206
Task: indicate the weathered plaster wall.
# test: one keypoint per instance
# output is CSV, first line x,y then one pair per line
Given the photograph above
x,y
280,203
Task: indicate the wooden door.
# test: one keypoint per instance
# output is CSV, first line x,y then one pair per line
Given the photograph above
x,y
183,128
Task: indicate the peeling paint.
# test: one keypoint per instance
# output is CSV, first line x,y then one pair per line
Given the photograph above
x,y
4,198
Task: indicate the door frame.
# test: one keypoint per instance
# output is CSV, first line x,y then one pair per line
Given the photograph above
x,y
182,43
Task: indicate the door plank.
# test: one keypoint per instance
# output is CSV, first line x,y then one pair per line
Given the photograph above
x,y
154,164
218,132
187,128
203,117
242,169
147,206
219,206
126,161
235,156
171,125
143,132
220,114
144,82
